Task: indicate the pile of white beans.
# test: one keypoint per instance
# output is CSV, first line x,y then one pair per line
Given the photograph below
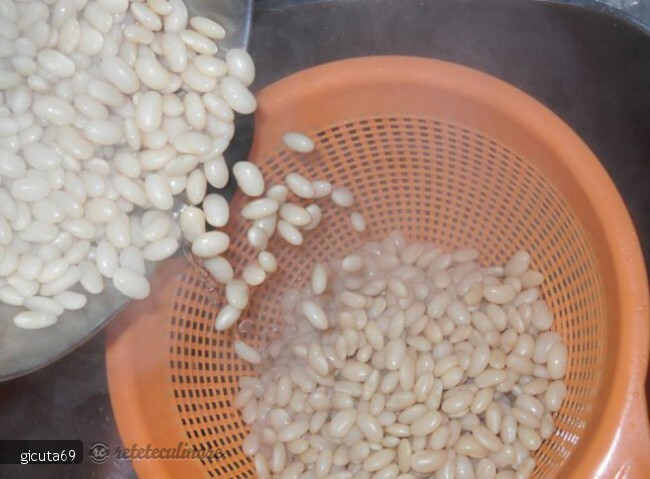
x,y
109,109
405,361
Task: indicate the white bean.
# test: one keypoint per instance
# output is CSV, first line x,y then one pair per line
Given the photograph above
x,y
315,315
198,42
71,300
149,112
152,73
210,244
300,186
34,320
131,284
216,172
557,360
62,283
195,111
208,27
316,217
240,65
120,74
322,188
238,97
196,187
267,261
319,279
161,249
158,192
249,178
216,209
56,63
257,237
9,295
11,165
295,214
358,222
249,354
176,20
290,233
91,279
237,293
175,52
342,197
260,208
54,110
298,142
518,264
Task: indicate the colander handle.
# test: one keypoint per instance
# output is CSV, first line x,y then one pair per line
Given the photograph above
x,y
629,456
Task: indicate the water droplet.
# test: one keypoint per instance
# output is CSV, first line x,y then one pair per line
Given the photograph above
x,y
246,326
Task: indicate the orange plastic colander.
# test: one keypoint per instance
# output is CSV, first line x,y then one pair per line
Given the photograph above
x,y
445,154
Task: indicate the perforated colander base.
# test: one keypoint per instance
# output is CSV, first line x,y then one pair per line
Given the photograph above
x,y
444,154
434,181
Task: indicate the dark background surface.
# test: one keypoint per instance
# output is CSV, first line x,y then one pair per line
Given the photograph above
x,y
592,69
